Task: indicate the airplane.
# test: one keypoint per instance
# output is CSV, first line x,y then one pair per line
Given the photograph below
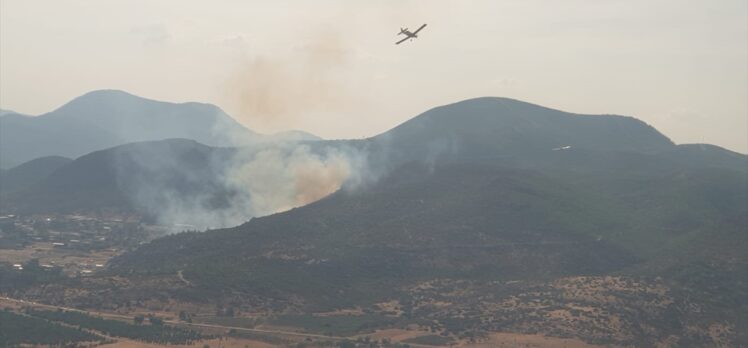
x,y
408,34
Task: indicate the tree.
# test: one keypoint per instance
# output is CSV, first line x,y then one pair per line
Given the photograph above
x,y
184,316
155,320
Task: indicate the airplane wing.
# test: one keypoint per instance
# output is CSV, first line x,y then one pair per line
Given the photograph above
x,y
419,29
401,41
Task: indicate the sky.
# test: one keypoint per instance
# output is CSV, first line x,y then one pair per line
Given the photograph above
x,y
330,67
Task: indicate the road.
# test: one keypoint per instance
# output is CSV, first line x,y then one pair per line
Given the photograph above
x,y
196,325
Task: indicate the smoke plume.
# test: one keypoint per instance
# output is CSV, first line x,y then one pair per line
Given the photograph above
x,y
272,92
265,174
187,185
287,175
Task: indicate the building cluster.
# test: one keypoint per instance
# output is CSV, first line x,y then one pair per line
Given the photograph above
x,y
79,244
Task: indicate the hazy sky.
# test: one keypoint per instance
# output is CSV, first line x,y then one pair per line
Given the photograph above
x,y
331,67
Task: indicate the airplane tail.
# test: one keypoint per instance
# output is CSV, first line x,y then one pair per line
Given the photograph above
x,y
402,31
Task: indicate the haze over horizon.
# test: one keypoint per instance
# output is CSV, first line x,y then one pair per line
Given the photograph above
x,y
332,68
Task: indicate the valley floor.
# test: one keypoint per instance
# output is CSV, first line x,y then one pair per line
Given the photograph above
x,y
275,337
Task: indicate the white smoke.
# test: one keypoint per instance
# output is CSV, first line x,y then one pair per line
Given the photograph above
x,y
190,186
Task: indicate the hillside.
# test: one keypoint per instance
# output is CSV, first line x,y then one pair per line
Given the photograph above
x,y
426,235
460,217
29,173
145,178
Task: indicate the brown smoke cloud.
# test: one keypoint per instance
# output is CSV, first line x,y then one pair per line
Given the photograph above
x,y
280,178
314,179
274,91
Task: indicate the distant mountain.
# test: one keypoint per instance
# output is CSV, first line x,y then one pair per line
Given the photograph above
x,y
106,118
484,131
292,135
29,173
7,112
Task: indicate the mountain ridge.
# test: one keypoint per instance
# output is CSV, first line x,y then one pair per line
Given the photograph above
x,y
105,118
480,130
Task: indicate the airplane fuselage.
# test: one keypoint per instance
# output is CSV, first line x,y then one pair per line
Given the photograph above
x,y
409,34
